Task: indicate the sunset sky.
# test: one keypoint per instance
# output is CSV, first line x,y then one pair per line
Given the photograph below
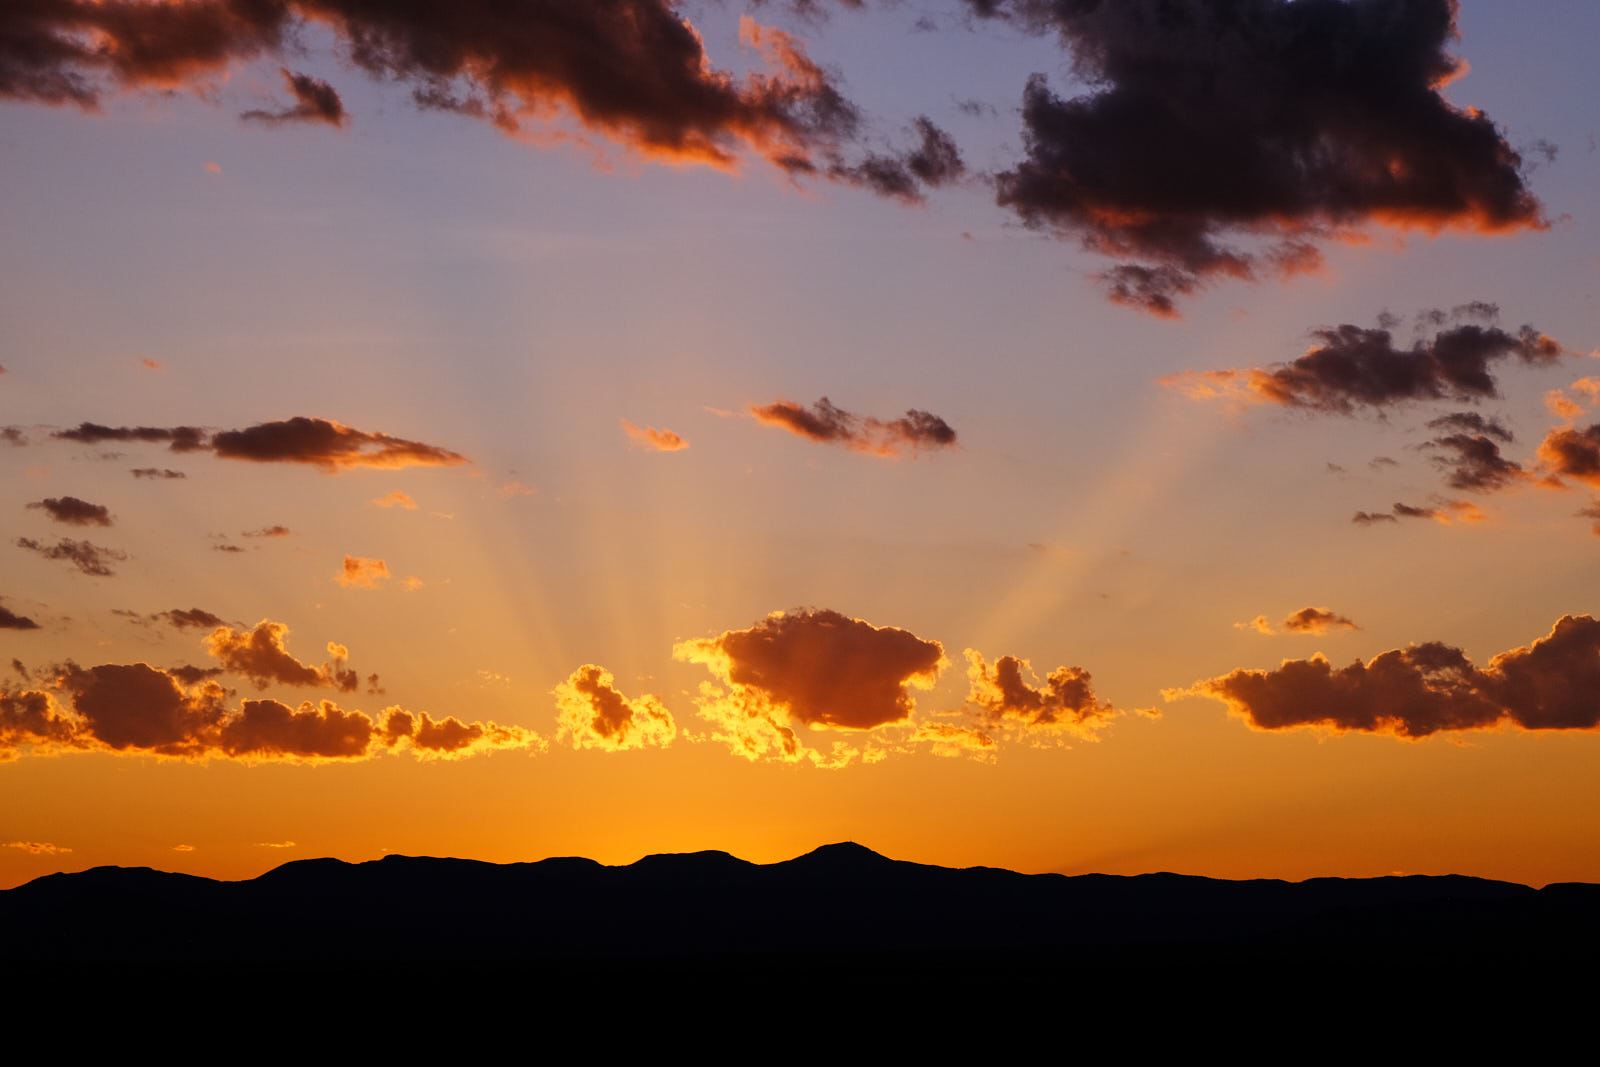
x,y
1066,436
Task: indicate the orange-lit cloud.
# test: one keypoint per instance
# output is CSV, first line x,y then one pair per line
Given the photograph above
x,y
593,713
916,431
1004,696
268,531
1317,621
632,71
1217,141
1425,689
358,572
151,364
816,669
953,739
140,709
260,655
328,445
1353,367
1567,452
397,499
38,848
1445,511
450,738
654,439
315,101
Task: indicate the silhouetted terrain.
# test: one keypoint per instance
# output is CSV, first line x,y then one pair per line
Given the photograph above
x,y
841,904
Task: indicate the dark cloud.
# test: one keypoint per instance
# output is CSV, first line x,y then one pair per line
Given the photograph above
x,y
593,713
634,71
260,654
450,738
89,558
267,728
180,712
1591,512
1473,423
813,668
1424,689
156,472
1003,695
226,548
10,620
1317,621
74,512
1474,463
13,435
176,438
1353,367
916,431
1225,138
1370,518
268,531
1568,452
935,161
327,445
189,619
315,101
1445,511
1377,463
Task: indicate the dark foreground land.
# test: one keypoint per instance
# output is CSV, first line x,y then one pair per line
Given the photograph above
x,y
840,910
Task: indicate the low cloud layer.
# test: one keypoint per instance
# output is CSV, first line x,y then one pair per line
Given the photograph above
x,y
593,713
143,710
1229,139
1425,689
914,432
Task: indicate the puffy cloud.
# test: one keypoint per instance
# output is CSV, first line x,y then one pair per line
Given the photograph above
x,y
653,439
137,708
161,473
89,558
261,655
315,101
916,431
1353,367
450,738
74,512
1004,696
268,729
811,668
359,572
38,848
633,71
328,445
1554,684
397,499
593,713
10,620
1226,138
134,705
1567,452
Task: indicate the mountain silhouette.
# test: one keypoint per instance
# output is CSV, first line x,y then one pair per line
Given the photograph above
x,y
840,901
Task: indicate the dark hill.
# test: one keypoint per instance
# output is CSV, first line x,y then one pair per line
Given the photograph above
x,y
839,902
